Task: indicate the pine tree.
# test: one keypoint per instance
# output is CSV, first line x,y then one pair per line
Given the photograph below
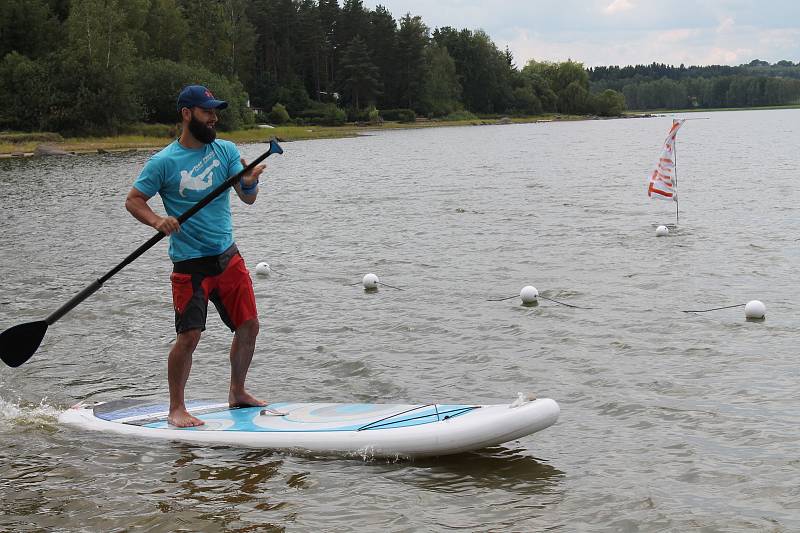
x,y
412,41
361,75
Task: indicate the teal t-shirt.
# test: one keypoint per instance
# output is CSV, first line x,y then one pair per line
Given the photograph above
x,y
184,176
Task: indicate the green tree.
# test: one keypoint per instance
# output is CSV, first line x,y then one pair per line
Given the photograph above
x,y
329,14
209,34
608,103
382,43
561,75
526,102
89,98
26,92
573,99
442,90
167,31
276,55
93,91
532,75
134,21
361,75
241,38
412,40
158,81
509,57
568,81
98,33
28,27
353,22
483,70
292,93
311,38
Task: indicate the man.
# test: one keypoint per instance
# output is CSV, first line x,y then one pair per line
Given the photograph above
x,y
207,264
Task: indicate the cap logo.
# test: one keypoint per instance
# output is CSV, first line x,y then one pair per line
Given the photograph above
x,y
208,94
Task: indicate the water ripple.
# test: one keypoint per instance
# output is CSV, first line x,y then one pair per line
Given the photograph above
x,y
670,421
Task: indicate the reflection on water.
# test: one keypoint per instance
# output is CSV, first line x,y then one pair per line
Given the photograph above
x,y
670,421
492,469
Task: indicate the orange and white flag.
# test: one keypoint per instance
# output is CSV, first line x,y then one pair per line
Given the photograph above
x,y
662,180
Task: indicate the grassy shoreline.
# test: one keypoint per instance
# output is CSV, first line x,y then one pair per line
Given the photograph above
x,y
121,143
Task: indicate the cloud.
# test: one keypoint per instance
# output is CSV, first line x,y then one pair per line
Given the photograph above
x,y
622,32
678,35
726,25
618,5
723,56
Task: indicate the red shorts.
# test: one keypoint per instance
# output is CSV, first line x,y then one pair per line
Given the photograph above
x,y
231,292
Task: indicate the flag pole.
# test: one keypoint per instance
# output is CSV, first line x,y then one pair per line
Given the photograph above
x,y
675,177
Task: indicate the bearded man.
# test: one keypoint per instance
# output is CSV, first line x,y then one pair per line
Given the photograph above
x,y
206,262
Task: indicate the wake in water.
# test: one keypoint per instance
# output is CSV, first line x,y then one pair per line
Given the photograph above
x,y
19,413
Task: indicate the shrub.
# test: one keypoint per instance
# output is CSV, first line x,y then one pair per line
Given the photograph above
x,y
374,116
460,115
30,137
370,114
334,116
293,96
355,115
149,130
279,115
323,114
399,115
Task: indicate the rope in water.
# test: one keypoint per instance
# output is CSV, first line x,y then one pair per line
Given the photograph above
x,y
714,309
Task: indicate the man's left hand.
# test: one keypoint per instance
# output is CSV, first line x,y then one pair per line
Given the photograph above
x,y
252,176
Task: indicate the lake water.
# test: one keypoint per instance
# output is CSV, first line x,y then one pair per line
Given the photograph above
x,y
670,421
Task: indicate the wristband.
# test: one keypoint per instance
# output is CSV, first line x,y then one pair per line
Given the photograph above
x,y
253,187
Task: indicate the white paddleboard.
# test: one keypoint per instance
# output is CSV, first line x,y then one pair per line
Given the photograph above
x,y
370,430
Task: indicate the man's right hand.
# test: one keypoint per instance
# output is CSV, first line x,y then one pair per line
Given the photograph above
x,y
167,225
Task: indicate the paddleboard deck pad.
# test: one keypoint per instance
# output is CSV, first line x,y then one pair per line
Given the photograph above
x,y
370,430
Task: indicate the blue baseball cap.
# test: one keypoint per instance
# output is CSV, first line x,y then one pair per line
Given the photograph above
x,y
199,96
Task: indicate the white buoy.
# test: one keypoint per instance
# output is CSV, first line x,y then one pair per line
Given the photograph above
x,y
662,231
262,269
370,281
755,309
529,294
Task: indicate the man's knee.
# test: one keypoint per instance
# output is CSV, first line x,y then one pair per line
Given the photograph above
x,y
188,340
248,329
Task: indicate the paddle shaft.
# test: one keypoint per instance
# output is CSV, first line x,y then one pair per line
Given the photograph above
x,y
92,288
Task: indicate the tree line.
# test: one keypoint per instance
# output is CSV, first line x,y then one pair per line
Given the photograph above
x,y
106,66
100,66
660,86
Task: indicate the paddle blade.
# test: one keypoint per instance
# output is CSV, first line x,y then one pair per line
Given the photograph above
x,y
19,343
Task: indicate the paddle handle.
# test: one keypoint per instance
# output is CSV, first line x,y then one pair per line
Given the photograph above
x,y
274,148
75,300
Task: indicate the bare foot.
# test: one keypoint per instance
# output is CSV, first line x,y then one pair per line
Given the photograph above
x,y
182,419
244,399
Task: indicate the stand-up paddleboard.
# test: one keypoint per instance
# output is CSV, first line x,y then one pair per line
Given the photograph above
x,y
379,430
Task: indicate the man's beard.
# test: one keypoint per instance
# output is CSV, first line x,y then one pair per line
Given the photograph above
x,y
201,132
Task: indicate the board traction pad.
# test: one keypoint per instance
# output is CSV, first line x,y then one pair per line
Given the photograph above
x,y
144,413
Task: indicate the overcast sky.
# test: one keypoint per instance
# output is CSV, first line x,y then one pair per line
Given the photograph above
x,y
623,32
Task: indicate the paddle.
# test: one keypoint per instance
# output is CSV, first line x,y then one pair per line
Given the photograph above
x,y
19,343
